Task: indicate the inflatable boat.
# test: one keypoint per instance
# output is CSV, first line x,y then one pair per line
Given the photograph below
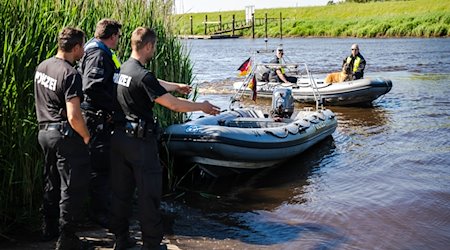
x,y
249,139
357,92
361,92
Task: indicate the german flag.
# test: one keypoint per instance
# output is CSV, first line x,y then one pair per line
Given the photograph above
x,y
245,67
252,86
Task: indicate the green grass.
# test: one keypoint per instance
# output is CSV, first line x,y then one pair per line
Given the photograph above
x,y
415,18
28,36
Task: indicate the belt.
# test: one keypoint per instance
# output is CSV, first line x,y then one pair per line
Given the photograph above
x,y
50,126
132,129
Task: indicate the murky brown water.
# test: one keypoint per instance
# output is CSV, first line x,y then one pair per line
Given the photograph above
x,y
382,181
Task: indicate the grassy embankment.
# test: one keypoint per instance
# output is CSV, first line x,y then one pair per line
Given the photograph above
x,y
415,18
27,37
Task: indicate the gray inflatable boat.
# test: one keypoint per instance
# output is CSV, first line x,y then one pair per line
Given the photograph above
x,y
248,138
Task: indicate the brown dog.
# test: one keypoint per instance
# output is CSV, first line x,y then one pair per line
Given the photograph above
x,y
344,75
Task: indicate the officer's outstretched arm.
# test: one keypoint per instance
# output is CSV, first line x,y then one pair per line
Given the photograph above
x,y
183,105
173,86
76,120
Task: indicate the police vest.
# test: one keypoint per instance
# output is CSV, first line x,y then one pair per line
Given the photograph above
x,y
95,43
355,63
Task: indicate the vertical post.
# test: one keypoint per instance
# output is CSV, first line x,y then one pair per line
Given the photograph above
x,y
281,26
220,22
265,22
206,23
253,25
192,29
232,29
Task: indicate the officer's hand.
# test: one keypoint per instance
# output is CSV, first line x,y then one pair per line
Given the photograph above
x,y
184,89
86,140
210,109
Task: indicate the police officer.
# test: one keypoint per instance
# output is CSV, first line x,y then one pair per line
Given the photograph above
x,y
99,66
63,136
134,150
356,61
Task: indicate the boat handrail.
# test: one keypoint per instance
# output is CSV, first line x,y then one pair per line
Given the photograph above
x,y
240,92
316,92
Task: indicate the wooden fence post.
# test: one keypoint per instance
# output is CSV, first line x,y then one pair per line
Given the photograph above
x,y
265,22
220,22
253,25
232,29
192,29
206,23
281,26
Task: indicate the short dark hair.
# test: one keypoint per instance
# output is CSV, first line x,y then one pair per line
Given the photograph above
x,y
106,28
69,37
142,36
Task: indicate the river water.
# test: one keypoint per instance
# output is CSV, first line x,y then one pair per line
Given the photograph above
x,y
382,181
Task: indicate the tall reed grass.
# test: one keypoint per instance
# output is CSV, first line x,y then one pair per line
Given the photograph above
x,y
415,18
28,36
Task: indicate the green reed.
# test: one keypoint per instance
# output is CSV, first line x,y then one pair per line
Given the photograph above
x,y
28,36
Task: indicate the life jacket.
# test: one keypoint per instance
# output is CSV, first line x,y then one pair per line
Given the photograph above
x,y
355,63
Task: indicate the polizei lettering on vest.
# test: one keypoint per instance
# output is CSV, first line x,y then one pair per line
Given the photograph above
x,y
45,81
124,80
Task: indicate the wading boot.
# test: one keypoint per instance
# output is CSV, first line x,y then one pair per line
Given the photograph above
x,y
50,230
124,242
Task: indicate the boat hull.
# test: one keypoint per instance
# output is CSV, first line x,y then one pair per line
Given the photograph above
x,y
241,147
357,92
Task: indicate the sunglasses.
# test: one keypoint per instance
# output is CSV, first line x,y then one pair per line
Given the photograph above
x,y
354,49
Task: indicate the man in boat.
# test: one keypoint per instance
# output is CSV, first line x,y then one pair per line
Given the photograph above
x,y
278,74
134,148
356,61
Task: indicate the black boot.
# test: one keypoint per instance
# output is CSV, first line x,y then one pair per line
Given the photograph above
x,y
69,241
161,246
50,230
124,242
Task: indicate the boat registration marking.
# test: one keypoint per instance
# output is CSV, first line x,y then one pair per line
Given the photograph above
x,y
192,129
319,125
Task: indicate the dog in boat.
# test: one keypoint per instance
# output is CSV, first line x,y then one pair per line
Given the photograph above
x,y
344,75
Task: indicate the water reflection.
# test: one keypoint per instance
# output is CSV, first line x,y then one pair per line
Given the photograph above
x,y
265,189
362,121
241,207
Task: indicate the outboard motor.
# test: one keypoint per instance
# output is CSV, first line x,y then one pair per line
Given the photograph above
x,y
282,102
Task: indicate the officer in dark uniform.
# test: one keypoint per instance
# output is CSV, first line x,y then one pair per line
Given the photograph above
x,y
63,136
356,61
134,149
99,67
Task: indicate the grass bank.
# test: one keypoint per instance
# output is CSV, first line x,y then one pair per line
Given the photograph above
x,y
27,37
415,18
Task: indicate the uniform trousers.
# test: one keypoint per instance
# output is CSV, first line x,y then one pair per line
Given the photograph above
x,y
99,149
135,164
66,175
